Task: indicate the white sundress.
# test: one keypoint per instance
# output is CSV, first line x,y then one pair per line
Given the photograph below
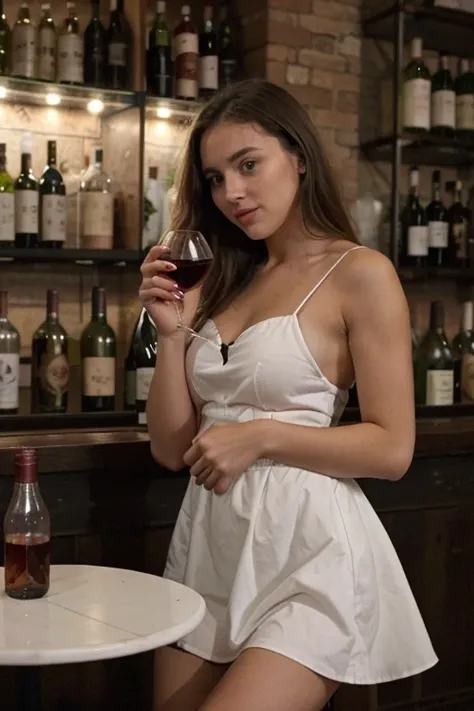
x,y
289,560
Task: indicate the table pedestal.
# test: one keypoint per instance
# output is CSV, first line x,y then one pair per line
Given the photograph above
x,y
29,688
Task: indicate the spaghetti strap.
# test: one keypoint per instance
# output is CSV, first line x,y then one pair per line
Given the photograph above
x,y
323,279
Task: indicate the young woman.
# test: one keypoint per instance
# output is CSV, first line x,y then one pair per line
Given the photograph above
x,y
302,585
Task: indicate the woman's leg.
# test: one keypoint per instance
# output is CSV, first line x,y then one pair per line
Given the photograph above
x,y
260,680
182,681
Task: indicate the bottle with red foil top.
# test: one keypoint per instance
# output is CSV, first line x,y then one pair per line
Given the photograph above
x,y
27,533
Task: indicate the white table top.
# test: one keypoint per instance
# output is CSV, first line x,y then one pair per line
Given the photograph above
x,y
95,613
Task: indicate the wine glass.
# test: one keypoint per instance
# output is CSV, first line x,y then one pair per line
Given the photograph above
x,y
189,251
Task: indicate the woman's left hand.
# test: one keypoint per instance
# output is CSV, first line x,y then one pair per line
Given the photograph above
x,y
222,453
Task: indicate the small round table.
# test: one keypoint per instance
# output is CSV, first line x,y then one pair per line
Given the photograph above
x,y
92,613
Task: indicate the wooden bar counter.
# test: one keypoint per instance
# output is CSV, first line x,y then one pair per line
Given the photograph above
x,y
111,504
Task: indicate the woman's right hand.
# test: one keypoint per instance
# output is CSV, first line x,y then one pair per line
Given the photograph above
x,y
161,296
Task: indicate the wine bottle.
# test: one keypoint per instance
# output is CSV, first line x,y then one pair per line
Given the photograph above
x,y
458,229
160,64
98,351
26,205
153,209
464,87
415,226
7,202
53,206
47,45
118,40
24,44
97,206
27,533
438,226
5,43
227,50
434,366
463,351
130,377
186,52
71,49
9,361
144,349
49,362
95,49
208,58
443,100
416,91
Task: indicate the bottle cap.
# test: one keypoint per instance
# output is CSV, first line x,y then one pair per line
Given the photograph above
x,y
25,465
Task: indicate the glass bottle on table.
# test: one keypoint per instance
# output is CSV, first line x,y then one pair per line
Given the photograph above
x,y
9,361
98,358
97,206
27,533
7,202
71,49
5,43
26,204
47,45
50,362
24,44
53,206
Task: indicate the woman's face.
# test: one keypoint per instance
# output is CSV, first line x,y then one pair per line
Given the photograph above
x,y
254,181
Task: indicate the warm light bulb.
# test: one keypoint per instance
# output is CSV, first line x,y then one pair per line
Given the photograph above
x,y
95,106
163,112
53,99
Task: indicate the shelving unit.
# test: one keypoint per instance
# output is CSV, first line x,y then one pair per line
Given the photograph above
x,y
92,257
442,29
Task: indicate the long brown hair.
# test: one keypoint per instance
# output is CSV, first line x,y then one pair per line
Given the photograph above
x,y
236,257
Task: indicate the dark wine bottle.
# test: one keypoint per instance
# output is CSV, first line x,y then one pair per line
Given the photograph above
x,y
95,50
464,86
98,353
415,226
118,40
26,205
160,63
9,361
463,351
5,43
208,57
458,216
27,533
7,202
228,66
438,226
144,349
49,362
443,100
130,377
53,207
434,365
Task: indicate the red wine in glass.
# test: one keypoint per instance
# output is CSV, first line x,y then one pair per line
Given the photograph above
x,y
189,273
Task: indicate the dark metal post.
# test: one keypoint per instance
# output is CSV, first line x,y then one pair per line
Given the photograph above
x,y
399,23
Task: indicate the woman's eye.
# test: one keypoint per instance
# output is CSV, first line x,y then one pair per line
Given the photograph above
x,y
249,165
215,180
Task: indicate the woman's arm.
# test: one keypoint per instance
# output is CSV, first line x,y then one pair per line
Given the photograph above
x,y
381,446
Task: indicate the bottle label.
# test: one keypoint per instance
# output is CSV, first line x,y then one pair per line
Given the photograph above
x,y
187,56
24,50
26,211
54,373
438,234
209,72
71,59
7,217
118,54
467,376
9,381
53,218
98,376
439,387
98,215
416,103
130,388
46,62
465,112
459,230
144,378
417,241
443,108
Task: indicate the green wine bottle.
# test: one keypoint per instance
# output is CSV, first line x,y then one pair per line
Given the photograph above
x,y
49,362
98,355
26,205
130,376
463,350
416,91
7,202
464,87
53,208
434,364
443,100
9,361
144,349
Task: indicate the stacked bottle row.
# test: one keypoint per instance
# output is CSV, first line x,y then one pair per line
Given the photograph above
x,y
438,103
99,57
34,212
50,363
186,64
435,235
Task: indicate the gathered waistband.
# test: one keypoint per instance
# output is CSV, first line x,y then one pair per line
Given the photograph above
x,y
264,463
